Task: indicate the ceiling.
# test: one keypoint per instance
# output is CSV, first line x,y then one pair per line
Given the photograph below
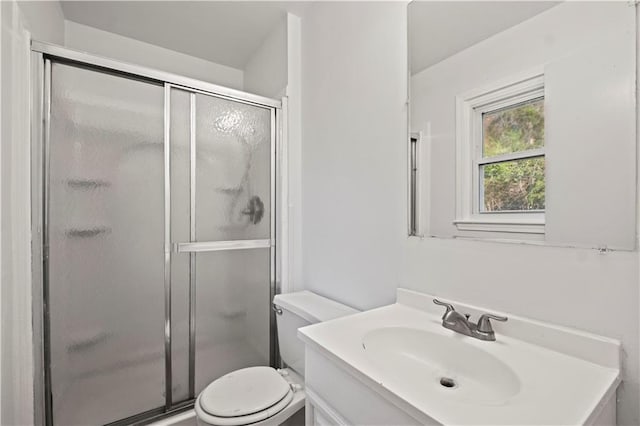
x,y
225,32
439,29
229,32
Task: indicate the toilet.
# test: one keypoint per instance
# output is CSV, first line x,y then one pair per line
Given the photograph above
x,y
264,396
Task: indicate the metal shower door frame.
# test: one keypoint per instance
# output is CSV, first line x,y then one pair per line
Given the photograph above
x,y
41,58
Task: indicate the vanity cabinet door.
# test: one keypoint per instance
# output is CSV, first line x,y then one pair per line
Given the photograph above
x,y
337,397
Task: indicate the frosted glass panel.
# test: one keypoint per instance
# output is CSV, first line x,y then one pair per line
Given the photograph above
x,y
180,172
232,312
233,169
106,246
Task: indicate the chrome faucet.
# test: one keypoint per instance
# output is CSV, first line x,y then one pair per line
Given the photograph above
x,y
453,320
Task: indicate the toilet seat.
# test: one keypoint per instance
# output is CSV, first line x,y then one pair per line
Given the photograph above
x,y
244,396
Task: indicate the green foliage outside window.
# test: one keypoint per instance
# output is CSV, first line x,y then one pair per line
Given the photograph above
x,y
517,184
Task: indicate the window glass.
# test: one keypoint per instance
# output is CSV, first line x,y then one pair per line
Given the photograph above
x,y
513,185
513,129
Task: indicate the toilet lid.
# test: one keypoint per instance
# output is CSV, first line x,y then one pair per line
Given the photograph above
x,y
244,392
208,419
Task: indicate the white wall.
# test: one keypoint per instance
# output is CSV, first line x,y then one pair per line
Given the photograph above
x,y
266,71
114,46
588,53
44,20
354,90
292,192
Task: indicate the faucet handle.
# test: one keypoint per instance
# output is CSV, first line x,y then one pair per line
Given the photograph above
x,y
449,306
484,325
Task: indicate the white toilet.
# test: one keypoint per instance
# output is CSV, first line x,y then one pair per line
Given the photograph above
x,y
263,396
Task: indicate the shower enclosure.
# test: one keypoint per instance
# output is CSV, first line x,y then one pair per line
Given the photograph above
x,y
154,200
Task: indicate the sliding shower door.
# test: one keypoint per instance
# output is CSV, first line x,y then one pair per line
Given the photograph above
x,y
232,203
105,246
158,242
221,166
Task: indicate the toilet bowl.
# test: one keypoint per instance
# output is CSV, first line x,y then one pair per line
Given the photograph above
x,y
264,396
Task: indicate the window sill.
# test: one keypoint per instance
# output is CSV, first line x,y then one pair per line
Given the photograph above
x,y
497,225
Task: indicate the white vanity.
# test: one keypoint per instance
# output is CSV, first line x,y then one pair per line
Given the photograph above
x,y
397,365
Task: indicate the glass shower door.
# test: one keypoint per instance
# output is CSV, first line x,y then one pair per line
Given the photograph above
x,y
105,246
159,243
225,235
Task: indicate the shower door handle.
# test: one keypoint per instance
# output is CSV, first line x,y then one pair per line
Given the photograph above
x,y
221,245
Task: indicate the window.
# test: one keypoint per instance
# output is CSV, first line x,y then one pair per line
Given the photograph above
x,y
512,158
501,158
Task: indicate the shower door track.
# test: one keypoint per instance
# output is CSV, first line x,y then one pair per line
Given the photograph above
x,y
139,71
42,56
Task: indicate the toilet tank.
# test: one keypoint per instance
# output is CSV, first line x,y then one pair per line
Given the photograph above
x,y
300,309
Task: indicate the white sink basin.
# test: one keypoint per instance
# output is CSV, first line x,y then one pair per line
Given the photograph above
x,y
444,364
534,373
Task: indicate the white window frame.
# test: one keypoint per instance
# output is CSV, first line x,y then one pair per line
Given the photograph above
x,y
470,107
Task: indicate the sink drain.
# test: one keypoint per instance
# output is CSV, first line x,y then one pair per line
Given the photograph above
x,y
448,382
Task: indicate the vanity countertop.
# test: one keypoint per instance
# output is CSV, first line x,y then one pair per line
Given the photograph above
x,y
561,375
